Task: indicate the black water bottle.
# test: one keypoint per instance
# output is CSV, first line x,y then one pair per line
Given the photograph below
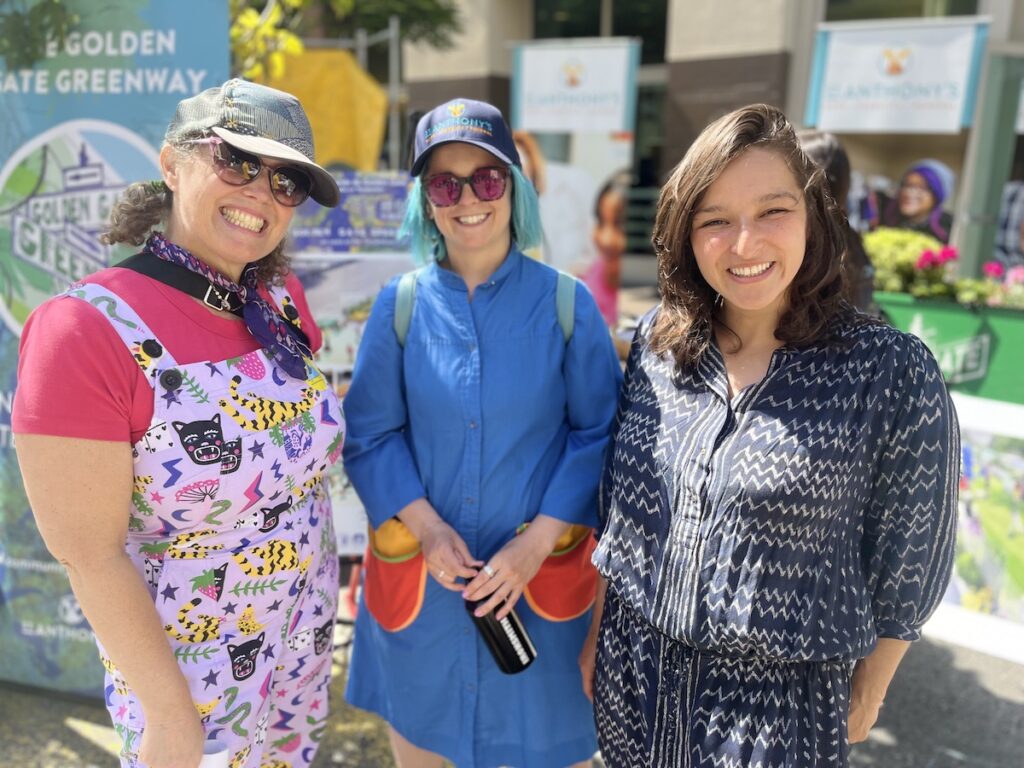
x,y
507,639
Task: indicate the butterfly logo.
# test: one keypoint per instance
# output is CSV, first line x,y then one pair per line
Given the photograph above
x,y
456,110
895,60
573,72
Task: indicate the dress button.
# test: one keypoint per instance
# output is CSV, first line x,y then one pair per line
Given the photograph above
x,y
469,499
470,687
472,425
152,348
170,379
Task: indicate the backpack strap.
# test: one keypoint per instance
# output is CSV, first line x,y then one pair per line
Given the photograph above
x,y
404,300
565,303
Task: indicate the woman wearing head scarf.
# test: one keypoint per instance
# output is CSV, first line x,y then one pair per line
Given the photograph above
x,y
478,417
779,506
173,435
925,186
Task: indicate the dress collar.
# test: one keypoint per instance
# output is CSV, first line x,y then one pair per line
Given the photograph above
x,y
453,280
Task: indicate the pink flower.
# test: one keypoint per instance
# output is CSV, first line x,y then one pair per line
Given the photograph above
x,y
947,254
993,269
1015,276
928,258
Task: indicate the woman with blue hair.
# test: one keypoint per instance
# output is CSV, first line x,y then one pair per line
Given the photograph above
x,y
925,186
478,416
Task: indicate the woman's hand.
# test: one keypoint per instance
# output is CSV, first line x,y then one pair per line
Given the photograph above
x,y
863,714
588,656
446,554
501,582
587,662
448,558
172,742
871,679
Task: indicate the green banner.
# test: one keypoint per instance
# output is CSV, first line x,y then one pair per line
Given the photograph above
x,y
978,348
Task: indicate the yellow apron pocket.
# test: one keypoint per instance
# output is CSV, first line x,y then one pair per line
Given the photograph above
x,y
566,583
395,576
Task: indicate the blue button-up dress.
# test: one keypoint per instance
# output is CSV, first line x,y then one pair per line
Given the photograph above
x,y
757,545
492,416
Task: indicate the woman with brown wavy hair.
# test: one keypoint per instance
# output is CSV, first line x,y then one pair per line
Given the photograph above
x,y
173,434
778,508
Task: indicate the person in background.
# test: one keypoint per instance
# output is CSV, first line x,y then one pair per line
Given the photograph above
x,y
1009,240
532,158
609,238
828,154
778,508
173,436
477,428
924,188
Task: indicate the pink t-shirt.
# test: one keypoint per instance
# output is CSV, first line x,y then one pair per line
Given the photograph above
x,y
77,378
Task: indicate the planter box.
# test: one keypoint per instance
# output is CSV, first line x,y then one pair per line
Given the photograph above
x,y
980,349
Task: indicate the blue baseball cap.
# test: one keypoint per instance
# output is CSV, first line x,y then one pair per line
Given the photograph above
x,y
471,122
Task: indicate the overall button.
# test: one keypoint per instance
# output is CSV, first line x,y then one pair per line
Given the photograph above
x,y
170,379
152,348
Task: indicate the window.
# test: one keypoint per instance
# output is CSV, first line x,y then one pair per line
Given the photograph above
x,y
859,10
643,19
566,18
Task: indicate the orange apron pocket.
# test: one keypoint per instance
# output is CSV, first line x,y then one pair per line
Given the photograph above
x,y
566,583
395,576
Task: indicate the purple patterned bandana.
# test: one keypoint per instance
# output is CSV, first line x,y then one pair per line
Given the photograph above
x,y
275,334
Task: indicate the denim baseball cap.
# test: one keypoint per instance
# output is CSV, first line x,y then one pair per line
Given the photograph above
x,y
471,122
255,119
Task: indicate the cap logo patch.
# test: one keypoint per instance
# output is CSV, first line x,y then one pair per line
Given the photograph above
x,y
456,110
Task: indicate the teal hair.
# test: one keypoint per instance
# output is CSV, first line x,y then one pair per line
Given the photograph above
x,y
426,241
526,226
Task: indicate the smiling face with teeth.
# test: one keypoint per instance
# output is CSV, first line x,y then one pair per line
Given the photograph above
x,y
472,228
749,233
225,226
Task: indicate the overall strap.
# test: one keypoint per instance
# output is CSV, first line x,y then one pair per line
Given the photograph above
x,y
150,354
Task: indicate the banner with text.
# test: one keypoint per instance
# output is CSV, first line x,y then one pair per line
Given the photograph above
x,y
573,117
79,125
344,256
904,76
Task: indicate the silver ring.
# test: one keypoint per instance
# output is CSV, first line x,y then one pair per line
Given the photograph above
x,y
488,570
440,575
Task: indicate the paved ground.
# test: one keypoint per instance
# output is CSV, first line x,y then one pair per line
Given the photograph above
x,y
948,708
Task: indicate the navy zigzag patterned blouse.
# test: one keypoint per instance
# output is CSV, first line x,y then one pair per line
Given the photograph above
x,y
803,519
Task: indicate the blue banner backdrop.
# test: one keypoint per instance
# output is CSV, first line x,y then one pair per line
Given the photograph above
x,y
79,126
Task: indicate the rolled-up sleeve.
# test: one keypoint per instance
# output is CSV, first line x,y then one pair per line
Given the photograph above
x,y
378,460
592,380
910,525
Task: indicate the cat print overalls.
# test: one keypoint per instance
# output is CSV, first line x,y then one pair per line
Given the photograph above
x,y
231,529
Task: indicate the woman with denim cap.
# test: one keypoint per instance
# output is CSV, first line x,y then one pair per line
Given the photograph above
x,y
477,425
173,434
779,506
